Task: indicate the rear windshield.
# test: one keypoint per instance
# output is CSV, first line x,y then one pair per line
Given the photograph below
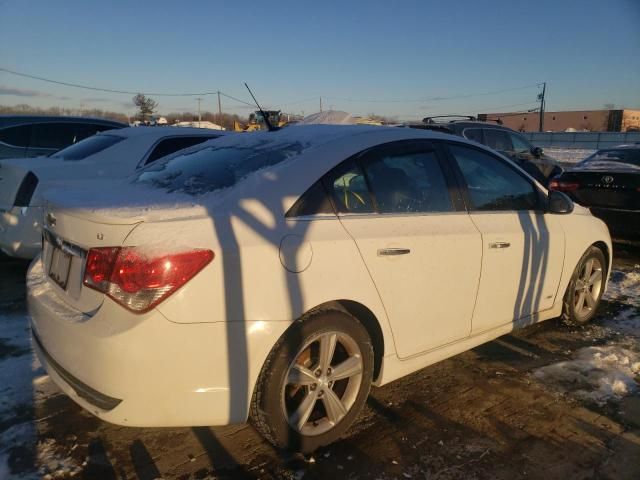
x,y
212,168
87,147
626,155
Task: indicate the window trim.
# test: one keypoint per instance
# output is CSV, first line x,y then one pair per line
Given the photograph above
x,y
402,146
28,137
464,188
474,128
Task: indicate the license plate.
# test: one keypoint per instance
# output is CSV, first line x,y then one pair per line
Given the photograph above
x,y
59,267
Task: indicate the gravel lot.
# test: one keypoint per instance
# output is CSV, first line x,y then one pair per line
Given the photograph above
x,y
550,401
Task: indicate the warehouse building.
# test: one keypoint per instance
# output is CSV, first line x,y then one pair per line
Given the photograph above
x,y
577,121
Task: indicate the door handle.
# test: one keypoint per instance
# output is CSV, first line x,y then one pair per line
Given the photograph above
x,y
499,245
393,251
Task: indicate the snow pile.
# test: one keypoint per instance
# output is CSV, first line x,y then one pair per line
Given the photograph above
x,y
625,324
596,374
624,287
18,366
605,373
54,465
23,383
329,117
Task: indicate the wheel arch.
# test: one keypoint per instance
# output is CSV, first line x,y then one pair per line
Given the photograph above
x,y
607,253
372,326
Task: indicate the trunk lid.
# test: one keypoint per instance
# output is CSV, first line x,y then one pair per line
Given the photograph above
x,y
606,187
97,214
66,240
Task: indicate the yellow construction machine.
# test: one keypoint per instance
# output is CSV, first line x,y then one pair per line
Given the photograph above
x,y
257,121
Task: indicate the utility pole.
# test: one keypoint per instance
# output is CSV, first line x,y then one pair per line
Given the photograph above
x,y
320,104
541,98
219,110
199,115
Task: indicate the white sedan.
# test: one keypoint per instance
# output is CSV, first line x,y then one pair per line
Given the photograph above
x,y
278,275
112,154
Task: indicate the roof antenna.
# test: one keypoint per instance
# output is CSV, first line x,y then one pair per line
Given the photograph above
x,y
270,127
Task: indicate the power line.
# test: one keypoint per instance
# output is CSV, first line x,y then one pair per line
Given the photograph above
x,y
217,92
477,110
252,105
434,99
108,90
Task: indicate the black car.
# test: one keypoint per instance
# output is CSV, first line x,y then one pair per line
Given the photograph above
x,y
502,139
35,135
608,182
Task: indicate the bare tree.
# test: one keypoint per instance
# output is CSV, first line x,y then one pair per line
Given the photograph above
x,y
146,105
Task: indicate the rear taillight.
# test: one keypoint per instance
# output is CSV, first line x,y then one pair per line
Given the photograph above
x,y
137,281
563,186
26,189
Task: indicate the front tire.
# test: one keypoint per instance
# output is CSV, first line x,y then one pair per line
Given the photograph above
x,y
314,382
585,289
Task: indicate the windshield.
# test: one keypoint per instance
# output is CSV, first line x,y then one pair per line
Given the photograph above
x,y
213,168
87,147
630,156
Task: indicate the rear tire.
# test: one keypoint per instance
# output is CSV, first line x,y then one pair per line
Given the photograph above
x,y
315,381
585,288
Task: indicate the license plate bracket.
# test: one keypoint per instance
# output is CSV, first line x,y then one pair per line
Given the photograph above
x,y
60,267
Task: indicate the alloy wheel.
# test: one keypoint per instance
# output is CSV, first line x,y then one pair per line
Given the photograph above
x,y
322,383
587,288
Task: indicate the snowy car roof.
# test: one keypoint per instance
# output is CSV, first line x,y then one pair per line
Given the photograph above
x,y
159,132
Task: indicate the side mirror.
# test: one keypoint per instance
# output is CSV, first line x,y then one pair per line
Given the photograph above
x,y
559,203
536,151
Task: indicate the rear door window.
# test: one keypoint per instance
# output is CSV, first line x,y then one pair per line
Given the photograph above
x,y
498,139
474,134
408,181
171,145
17,136
520,145
87,130
52,135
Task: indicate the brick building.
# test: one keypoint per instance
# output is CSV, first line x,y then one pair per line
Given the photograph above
x,y
583,120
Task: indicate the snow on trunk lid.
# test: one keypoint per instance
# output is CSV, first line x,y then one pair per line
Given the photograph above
x,y
67,237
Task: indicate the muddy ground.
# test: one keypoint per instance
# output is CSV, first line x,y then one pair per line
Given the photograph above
x,y
479,415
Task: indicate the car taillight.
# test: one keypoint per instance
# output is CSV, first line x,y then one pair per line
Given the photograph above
x,y
137,281
563,186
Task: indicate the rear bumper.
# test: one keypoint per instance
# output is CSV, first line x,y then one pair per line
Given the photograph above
x,y
21,231
623,224
143,370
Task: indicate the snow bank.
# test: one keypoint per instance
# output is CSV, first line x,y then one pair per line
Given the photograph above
x,y
596,374
624,286
329,117
23,383
606,373
568,155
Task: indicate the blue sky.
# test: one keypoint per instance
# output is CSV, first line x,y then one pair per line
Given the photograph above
x,y
405,55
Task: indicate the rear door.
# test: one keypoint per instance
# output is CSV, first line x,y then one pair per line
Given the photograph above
x,y
522,247
422,250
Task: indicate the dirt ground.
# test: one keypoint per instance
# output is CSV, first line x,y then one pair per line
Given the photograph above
x,y
479,415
